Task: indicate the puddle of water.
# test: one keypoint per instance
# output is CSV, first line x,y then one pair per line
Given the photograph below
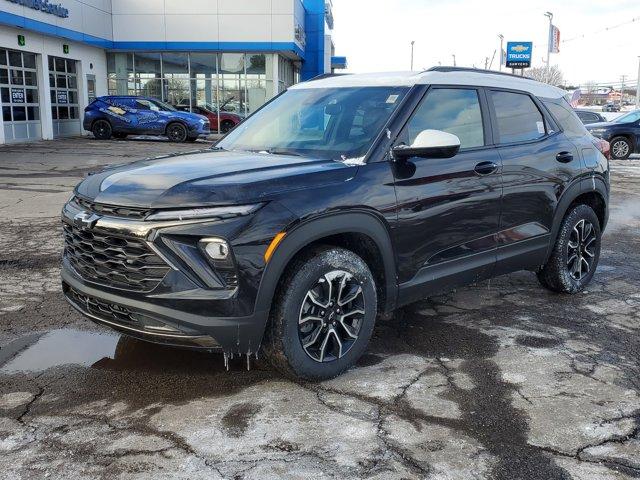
x,y
106,351
58,348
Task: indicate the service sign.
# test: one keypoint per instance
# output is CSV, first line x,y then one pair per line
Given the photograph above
x,y
62,97
519,54
17,95
44,6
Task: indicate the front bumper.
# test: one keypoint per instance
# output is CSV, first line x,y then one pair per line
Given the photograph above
x,y
193,305
201,130
161,324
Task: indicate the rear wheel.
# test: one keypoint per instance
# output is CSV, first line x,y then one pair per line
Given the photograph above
x,y
226,126
620,148
575,256
101,130
323,315
177,132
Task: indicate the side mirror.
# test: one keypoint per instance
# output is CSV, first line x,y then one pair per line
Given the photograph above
x,y
429,144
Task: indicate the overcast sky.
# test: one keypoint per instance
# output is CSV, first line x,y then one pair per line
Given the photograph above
x,y
375,35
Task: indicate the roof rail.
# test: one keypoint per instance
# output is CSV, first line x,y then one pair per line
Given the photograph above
x,y
327,75
474,70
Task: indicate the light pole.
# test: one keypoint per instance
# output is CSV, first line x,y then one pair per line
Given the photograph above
x,y
638,86
501,37
412,42
549,15
454,59
622,79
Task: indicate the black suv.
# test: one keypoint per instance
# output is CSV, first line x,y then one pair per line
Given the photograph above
x,y
342,198
589,116
623,134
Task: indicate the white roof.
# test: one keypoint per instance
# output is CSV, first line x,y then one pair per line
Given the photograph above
x,y
481,78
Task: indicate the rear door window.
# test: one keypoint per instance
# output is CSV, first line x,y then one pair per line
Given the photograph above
x,y
519,119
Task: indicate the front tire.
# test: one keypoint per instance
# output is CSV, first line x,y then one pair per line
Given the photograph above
x,y
621,148
177,132
323,315
576,253
101,130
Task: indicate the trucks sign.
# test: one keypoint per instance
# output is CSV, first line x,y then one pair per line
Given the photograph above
x,y
519,54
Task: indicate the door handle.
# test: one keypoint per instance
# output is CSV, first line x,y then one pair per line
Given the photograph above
x,y
486,168
564,157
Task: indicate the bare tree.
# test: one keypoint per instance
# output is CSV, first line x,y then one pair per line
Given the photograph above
x,y
553,76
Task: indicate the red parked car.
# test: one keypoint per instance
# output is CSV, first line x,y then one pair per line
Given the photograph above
x,y
227,120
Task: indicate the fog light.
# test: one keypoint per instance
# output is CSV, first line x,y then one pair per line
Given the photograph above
x,y
215,248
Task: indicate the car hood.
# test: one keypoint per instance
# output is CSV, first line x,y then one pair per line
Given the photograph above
x,y
209,177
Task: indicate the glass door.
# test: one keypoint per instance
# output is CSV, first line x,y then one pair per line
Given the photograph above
x,y
19,96
63,84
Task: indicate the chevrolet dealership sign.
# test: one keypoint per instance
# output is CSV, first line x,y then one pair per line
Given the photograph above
x,y
44,6
519,54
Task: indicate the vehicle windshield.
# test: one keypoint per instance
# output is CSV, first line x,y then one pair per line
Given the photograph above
x,y
629,117
164,106
328,123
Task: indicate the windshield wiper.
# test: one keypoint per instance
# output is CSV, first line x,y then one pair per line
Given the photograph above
x,y
281,151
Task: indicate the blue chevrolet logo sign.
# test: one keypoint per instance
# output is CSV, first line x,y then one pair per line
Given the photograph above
x,y
519,54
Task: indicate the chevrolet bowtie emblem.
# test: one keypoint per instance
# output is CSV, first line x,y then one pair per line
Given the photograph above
x,y
85,219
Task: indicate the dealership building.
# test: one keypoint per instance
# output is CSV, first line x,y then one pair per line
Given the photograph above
x,y
56,56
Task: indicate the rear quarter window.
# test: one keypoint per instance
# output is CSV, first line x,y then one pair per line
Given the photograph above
x,y
565,116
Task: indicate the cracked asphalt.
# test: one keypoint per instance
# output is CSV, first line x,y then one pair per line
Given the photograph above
x,y
500,380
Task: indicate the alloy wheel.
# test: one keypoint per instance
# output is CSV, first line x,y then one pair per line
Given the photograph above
x,y
620,149
581,249
102,129
177,133
331,316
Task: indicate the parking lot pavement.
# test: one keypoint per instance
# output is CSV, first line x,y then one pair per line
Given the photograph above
x,y
501,380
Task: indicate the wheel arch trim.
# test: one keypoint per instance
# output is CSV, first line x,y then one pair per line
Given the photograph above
x,y
318,227
595,184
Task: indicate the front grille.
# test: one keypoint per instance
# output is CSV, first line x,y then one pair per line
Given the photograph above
x,y
103,310
112,260
119,314
112,210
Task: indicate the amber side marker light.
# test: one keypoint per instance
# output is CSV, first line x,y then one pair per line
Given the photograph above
x,y
273,245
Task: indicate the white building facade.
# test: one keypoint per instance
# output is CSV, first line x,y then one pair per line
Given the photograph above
x,y
56,56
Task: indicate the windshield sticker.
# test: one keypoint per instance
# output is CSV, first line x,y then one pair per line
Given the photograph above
x,y
540,126
392,98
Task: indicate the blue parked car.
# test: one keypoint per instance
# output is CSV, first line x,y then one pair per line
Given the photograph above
x,y
119,116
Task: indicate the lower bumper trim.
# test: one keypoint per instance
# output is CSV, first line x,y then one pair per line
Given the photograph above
x,y
169,338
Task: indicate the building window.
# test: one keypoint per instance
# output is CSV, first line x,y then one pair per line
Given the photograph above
x,y
120,74
148,75
229,82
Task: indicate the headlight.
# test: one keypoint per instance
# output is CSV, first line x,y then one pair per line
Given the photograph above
x,y
213,212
